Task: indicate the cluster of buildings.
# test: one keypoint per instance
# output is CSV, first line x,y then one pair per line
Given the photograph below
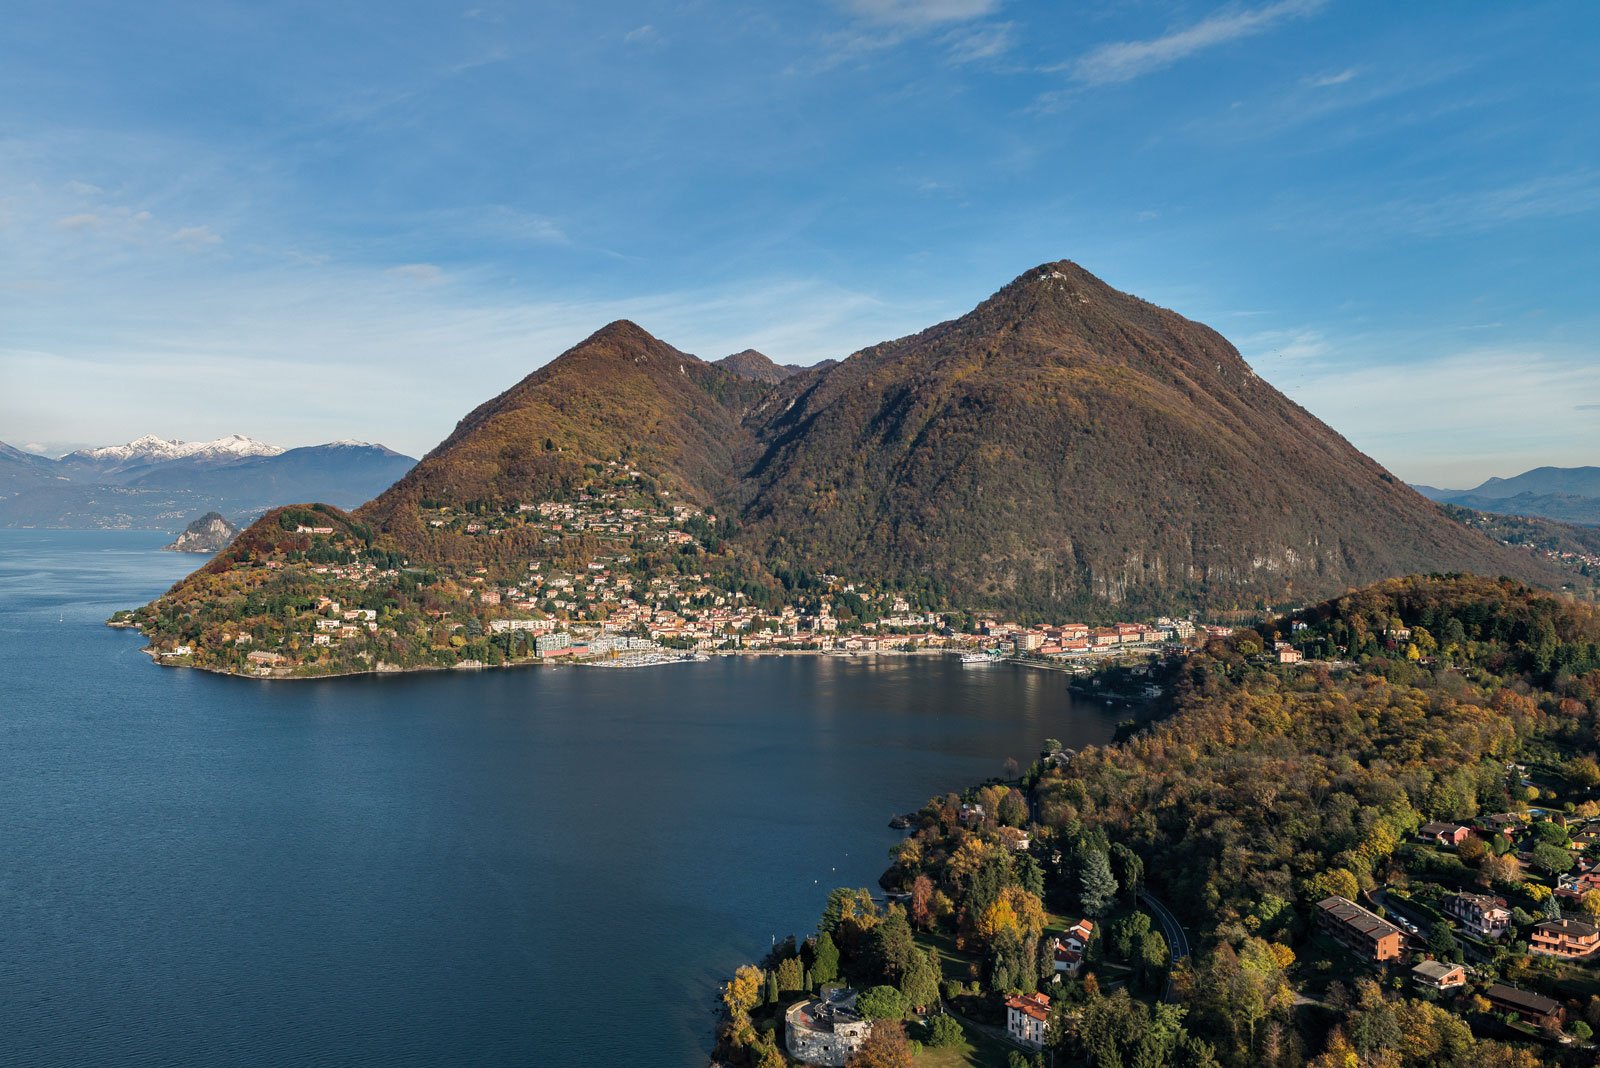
x,y
1071,947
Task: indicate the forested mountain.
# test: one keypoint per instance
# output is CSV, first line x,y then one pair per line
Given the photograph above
x,y
620,395
1065,446
757,365
1063,449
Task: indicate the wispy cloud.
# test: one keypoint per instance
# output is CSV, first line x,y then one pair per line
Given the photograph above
x,y
196,237
1328,81
982,42
1124,61
920,14
882,24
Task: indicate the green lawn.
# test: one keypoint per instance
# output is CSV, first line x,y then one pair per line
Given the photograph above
x,y
977,1050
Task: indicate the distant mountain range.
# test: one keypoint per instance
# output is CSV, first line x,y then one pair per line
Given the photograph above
x,y
155,484
1063,449
1570,494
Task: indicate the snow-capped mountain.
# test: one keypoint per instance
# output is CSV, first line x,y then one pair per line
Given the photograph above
x,y
160,484
152,448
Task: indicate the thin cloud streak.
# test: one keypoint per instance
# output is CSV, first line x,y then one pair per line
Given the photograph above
x,y
1124,61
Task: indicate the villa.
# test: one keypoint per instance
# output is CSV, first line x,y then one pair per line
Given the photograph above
x,y
1026,1016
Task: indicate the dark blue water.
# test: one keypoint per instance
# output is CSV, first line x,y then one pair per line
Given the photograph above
x,y
531,867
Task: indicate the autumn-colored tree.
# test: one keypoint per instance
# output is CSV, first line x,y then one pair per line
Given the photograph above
x,y
1339,1054
1013,810
886,1047
791,975
743,992
1499,871
921,913
1334,882
1471,850
1590,903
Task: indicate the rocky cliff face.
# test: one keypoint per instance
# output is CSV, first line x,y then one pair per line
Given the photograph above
x,y
211,533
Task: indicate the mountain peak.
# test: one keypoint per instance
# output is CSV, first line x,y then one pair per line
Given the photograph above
x,y
755,365
152,447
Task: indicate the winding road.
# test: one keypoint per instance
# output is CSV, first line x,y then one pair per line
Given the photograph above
x,y
1171,930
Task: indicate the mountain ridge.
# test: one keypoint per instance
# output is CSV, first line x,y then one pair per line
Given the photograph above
x,y
1064,449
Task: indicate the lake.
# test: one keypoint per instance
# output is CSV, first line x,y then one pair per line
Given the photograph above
x,y
540,866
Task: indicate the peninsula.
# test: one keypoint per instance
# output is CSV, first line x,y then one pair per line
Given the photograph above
x,y
1063,454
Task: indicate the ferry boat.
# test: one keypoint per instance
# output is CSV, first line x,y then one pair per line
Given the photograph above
x,y
973,659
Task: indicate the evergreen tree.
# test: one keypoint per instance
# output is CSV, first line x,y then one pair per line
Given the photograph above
x,y
920,984
1097,887
825,965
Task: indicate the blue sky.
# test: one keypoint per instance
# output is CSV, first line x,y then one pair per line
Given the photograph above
x,y
311,221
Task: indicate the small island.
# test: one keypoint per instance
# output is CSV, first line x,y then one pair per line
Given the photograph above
x,y
211,533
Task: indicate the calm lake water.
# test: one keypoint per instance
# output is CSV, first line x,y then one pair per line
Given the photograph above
x,y
531,867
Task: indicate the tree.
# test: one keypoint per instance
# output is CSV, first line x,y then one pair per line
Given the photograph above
x,y
920,984
1552,858
882,1003
1127,932
893,944
790,975
844,905
1590,903
943,1031
921,914
1152,957
885,1047
1442,940
743,991
1129,869
1097,887
1013,809
825,960
1334,882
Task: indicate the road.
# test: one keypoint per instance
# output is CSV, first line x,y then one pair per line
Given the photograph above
x,y
1171,930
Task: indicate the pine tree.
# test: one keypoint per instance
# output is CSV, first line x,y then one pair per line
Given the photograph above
x,y
1097,886
825,968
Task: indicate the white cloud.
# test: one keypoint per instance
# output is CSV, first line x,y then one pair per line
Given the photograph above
x,y
1125,60
639,34
1327,81
81,221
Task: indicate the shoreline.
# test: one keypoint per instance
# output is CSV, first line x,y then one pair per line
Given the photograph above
x,y
668,657
158,660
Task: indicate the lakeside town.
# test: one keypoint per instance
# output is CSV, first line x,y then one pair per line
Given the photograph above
x,y
615,575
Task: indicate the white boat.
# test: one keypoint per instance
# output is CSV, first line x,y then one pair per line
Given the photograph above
x,y
981,658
